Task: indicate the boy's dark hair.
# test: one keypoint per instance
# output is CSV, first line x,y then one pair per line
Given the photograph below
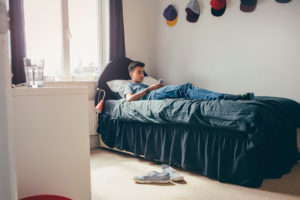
x,y
135,64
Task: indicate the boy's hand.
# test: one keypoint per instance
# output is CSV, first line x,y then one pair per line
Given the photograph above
x,y
155,86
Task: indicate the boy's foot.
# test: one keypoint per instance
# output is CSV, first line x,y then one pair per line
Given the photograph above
x,y
174,175
248,95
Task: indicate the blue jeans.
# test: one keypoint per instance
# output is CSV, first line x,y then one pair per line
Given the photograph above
x,y
186,90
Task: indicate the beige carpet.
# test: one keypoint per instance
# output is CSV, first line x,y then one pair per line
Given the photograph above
x,y
112,175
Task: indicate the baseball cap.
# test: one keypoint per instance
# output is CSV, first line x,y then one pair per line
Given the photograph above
x,y
218,13
248,5
217,4
170,14
192,10
218,7
283,1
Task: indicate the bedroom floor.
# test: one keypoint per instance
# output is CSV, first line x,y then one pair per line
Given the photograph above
x,y
112,175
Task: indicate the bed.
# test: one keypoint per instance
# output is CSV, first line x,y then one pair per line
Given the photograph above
x,y
238,142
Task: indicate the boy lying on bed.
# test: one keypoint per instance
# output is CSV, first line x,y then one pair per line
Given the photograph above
x,y
139,91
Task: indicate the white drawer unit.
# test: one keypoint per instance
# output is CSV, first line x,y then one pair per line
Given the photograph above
x,y
51,141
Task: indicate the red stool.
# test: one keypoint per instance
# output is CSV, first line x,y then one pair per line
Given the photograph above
x,y
46,197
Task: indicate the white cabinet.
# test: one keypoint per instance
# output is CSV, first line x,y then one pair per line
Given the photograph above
x,y
51,141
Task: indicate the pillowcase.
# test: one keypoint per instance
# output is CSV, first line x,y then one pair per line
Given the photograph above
x,y
148,80
118,85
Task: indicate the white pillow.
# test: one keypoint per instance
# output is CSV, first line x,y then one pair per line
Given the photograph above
x,y
148,80
118,85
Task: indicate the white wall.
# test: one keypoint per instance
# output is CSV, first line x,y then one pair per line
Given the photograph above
x,y
140,24
235,53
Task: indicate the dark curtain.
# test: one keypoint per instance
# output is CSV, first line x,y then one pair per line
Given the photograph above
x,y
17,31
116,30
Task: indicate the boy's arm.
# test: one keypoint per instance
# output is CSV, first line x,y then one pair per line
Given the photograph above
x,y
137,96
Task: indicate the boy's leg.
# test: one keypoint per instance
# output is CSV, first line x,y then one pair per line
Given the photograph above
x,y
168,91
172,91
191,92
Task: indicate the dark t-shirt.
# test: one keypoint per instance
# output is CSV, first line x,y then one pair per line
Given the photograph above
x,y
135,88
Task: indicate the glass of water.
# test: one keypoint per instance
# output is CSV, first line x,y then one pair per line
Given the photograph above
x,y
34,70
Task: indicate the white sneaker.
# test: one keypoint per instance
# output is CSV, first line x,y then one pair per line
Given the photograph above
x,y
153,177
174,175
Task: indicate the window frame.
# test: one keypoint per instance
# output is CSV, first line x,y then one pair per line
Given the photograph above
x,y
66,74
66,67
66,35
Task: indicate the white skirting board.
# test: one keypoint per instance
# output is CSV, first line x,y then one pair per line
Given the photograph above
x,y
94,142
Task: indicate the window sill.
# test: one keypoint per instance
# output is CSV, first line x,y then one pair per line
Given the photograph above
x,y
74,81
69,83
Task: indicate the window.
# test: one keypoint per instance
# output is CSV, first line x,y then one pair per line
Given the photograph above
x,y
66,34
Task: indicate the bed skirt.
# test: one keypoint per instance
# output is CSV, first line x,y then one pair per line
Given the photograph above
x,y
215,153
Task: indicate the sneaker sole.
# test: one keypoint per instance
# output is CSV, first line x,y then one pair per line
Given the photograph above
x,y
141,181
177,179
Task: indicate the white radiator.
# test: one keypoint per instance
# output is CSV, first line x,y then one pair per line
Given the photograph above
x,y
92,118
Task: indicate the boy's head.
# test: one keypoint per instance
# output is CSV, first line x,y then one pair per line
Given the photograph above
x,y
136,71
